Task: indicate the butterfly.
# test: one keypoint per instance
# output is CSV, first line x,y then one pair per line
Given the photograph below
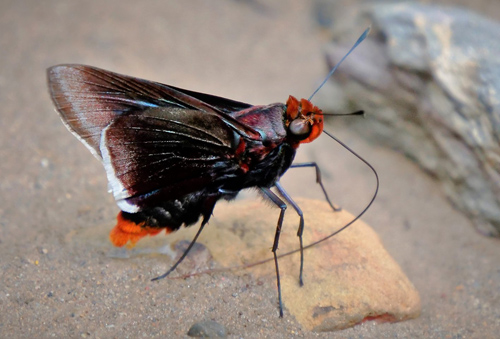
x,y
170,154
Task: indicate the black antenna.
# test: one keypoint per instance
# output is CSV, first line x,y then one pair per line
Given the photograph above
x,y
366,207
360,39
345,114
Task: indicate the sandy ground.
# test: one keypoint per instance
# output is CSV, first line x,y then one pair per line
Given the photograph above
x,y
55,282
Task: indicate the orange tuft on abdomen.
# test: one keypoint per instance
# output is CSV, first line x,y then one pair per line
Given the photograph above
x,y
128,231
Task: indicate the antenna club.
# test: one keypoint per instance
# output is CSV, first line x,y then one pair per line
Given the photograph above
x,y
360,39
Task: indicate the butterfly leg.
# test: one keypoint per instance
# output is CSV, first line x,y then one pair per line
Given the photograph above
x,y
300,231
208,208
318,180
278,202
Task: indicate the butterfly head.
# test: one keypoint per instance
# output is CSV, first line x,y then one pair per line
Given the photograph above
x,y
304,121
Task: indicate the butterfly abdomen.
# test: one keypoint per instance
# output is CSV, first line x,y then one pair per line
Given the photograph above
x,y
169,215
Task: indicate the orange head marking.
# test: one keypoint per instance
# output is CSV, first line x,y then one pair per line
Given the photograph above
x,y
303,120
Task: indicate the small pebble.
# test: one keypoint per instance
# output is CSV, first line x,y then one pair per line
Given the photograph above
x,y
207,329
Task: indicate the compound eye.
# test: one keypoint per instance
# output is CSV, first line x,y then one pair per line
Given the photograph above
x,y
300,128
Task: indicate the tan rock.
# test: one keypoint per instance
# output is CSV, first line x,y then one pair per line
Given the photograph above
x,y
348,279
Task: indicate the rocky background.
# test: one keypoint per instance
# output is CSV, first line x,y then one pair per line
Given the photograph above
x,y
429,78
60,277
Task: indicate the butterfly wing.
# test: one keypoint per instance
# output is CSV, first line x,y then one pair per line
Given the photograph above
x,y
155,141
89,98
164,154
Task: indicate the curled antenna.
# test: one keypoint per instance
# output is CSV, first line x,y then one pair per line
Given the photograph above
x,y
360,39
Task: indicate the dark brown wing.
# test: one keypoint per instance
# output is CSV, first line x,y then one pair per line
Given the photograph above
x,y
156,142
89,99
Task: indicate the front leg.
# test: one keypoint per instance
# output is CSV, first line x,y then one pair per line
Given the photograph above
x,y
318,180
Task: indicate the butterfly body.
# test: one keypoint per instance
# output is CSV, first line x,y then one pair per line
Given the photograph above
x,y
240,164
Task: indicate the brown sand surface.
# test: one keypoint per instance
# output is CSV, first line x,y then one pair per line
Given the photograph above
x,y
54,282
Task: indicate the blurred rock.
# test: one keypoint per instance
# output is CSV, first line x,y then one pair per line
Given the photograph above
x,y
348,279
429,79
207,329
